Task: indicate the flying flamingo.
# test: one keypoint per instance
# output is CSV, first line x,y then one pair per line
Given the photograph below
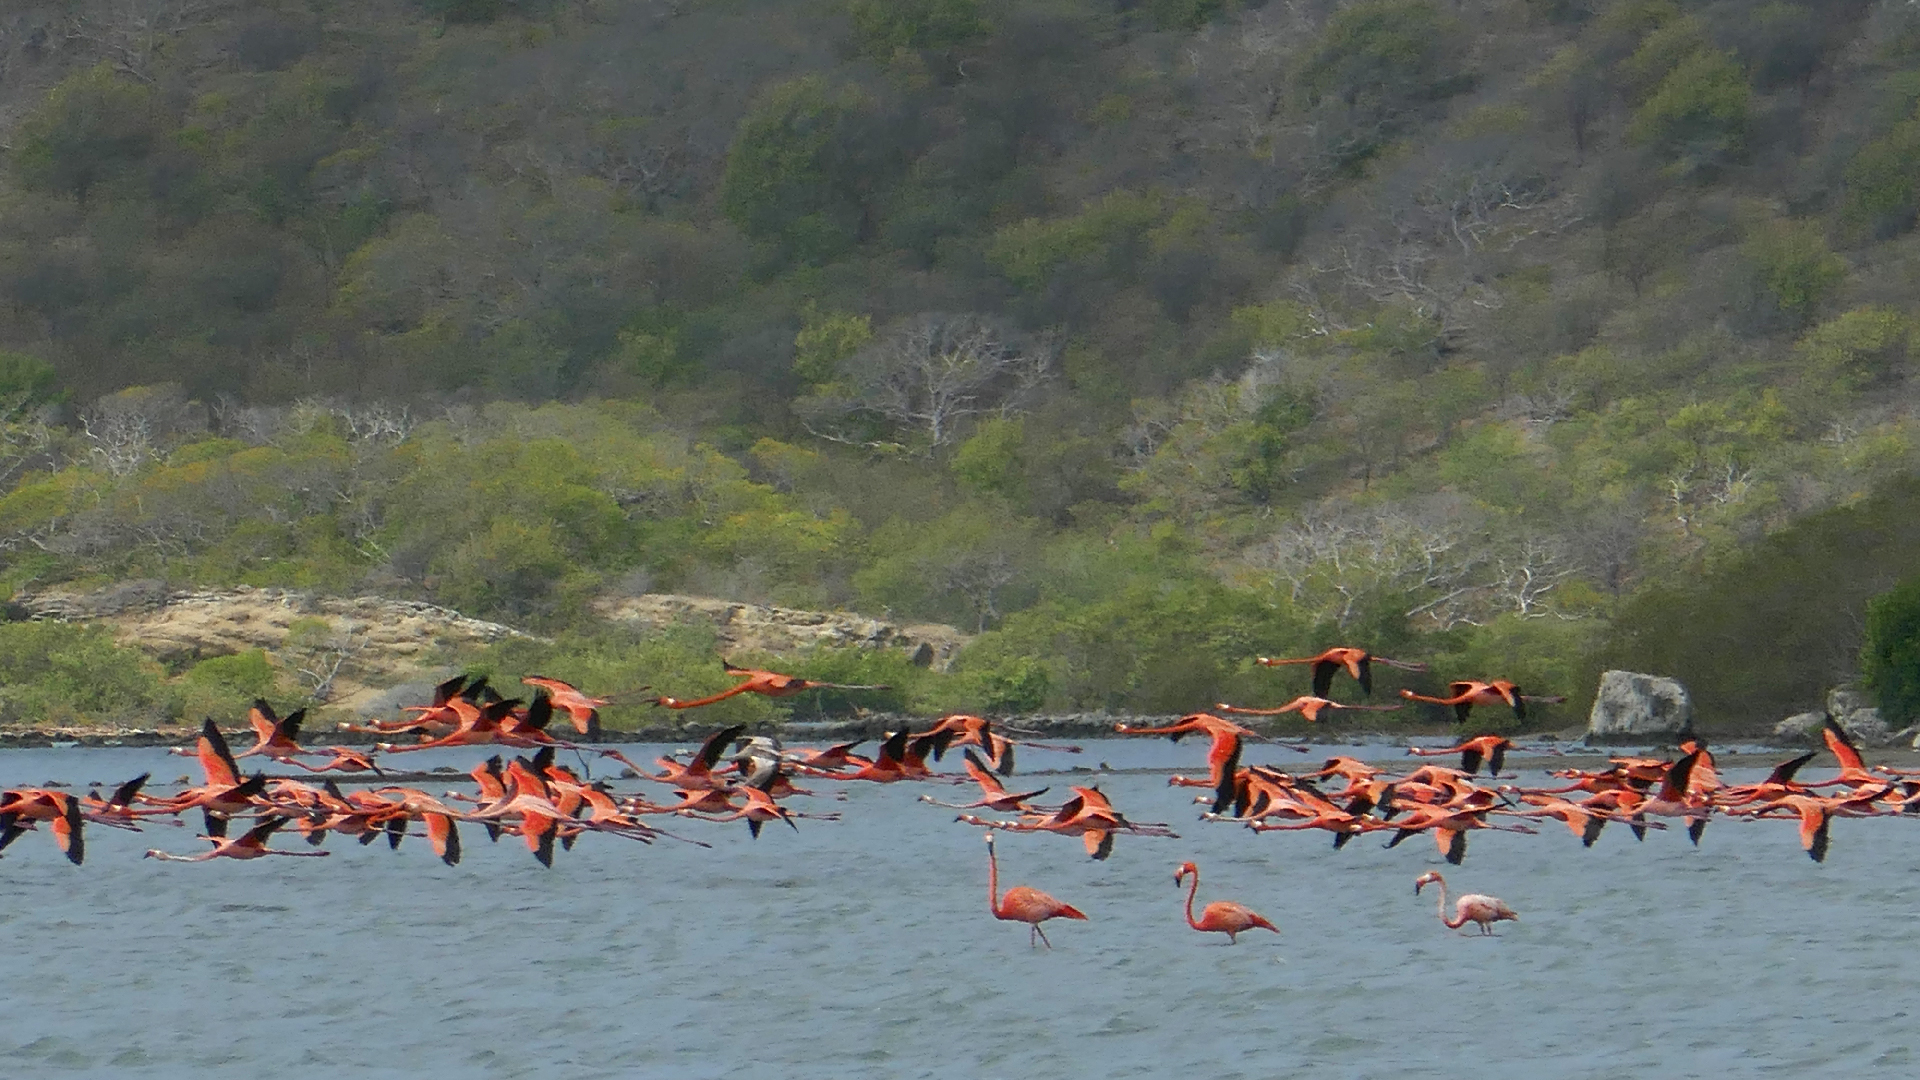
x,y
1473,907
60,810
770,683
1022,904
1309,708
1221,916
584,711
994,794
1358,662
1489,748
1465,694
275,737
253,845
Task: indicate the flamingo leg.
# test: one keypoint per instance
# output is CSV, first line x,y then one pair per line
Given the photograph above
x,y
1043,936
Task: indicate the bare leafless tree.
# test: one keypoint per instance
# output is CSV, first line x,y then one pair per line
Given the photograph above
x,y
132,34
925,377
126,430
1529,569
320,655
1334,560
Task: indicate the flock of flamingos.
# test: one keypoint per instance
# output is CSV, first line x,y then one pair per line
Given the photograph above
x,y
733,777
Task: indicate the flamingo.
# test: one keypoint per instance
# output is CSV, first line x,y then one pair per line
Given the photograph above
x,y
1022,904
1465,694
275,737
345,759
61,810
1473,907
969,730
252,845
584,711
1358,662
1221,916
1309,707
994,794
1489,748
770,683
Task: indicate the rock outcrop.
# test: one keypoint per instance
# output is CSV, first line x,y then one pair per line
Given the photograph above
x,y
1630,707
1858,716
764,628
1800,727
376,642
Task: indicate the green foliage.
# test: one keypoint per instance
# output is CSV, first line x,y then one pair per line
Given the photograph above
x,y
55,674
1697,117
1507,333
1378,50
224,687
1181,14
793,174
1883,182
1767,632
969,567
1890,657
883,28
467,11
1795,267
95,127
608,661
1376,61
1862,348
1105,236
825,340
989,462
27,380
905,683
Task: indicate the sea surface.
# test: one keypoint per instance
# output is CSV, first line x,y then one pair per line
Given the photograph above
x,y
863,948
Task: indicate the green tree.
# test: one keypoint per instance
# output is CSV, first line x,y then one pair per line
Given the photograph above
x,y
1890,659
797,174
1795,268
1376,61
54,673
1883,183
883,28
826,339
1697,117
95,126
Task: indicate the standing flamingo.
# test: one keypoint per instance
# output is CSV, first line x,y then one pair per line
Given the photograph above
x,y
1221,916
1021,904
1473,907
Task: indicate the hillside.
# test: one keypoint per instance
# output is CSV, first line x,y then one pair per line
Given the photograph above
x,y
1139,338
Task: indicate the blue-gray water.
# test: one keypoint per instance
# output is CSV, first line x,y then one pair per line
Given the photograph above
x,y
863,948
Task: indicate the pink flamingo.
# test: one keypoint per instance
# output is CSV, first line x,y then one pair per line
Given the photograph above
x,y
1021,904
1473,907
1221,916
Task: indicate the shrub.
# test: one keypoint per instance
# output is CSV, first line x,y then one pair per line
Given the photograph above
x,y
1883,183
1697,116
56,673
1891,657
224,687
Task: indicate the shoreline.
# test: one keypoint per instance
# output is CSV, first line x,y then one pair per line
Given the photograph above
x,y
1070,726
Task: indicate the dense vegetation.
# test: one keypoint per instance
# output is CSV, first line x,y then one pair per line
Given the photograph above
x,y
1517,335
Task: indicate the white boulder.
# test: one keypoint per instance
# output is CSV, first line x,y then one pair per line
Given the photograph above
x,y
1800,727
1631,707
1856,714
